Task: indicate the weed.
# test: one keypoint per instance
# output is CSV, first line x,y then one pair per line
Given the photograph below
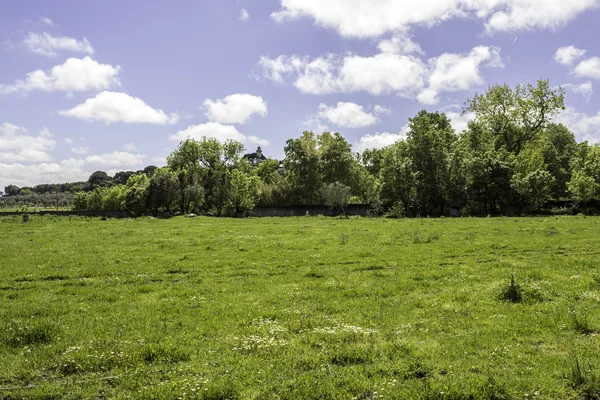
x,y
581,323
584,380
512,292
344,239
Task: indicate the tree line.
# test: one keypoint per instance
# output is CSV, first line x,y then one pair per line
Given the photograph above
x,y
511,156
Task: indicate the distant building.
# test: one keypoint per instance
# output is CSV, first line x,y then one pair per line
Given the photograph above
x,y
255,158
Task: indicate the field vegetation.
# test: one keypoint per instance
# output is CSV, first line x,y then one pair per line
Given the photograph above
x,y
300,308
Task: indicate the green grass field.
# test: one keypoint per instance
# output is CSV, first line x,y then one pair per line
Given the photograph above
x,y
299,308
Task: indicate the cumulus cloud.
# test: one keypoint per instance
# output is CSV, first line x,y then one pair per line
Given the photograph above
x,y
46,21
217,131
70,170
74,75
585,89
459,121
585,127
130,147
456,72
17,145
568,54
80,150
116,159
350,115
112,107
384,73
400,43
589,68
244,16
48,45
235,109
379,140
378,17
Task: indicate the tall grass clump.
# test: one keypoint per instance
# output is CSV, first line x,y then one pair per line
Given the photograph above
x,y
513,292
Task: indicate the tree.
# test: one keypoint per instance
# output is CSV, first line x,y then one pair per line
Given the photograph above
x,y
558,147
302,169
11,190
163,190
99,178
244,191
136,193
336,195
396,177
516,116
429,140
335,158
585,181
122,177
114,198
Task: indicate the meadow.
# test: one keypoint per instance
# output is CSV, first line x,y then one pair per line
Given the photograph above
x,y
300,308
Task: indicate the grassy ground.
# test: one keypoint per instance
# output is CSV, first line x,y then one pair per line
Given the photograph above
x,y
299,308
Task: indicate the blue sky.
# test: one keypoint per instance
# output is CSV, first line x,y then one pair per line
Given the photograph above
x,y
115,85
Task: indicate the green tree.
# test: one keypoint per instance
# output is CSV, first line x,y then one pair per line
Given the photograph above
x,y
163,190
396,177
244,191
114,198
11,190
302,168
516,116
136,193
429,139
336,195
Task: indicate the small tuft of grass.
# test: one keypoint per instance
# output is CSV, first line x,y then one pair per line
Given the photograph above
x,y
26,335
585,381
417,370
314,274
163,354
176,270
512,292
581,323
344,239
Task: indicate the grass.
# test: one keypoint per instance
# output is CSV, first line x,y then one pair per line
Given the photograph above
x,y
299,308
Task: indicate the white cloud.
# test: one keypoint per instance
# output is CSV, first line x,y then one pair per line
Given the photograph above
x,y
235,109
116,159
46,21
589,68
375,18
47,45
377,75
379,140
400,43
244,16
383,73
112,107
381,110
80,150
74,75
568,54
217,131
459,121
585,89
455,72
70,170
348,115
17,145
130,147
585,127
68,140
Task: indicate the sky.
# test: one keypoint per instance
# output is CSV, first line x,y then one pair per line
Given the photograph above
x,y
115,85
